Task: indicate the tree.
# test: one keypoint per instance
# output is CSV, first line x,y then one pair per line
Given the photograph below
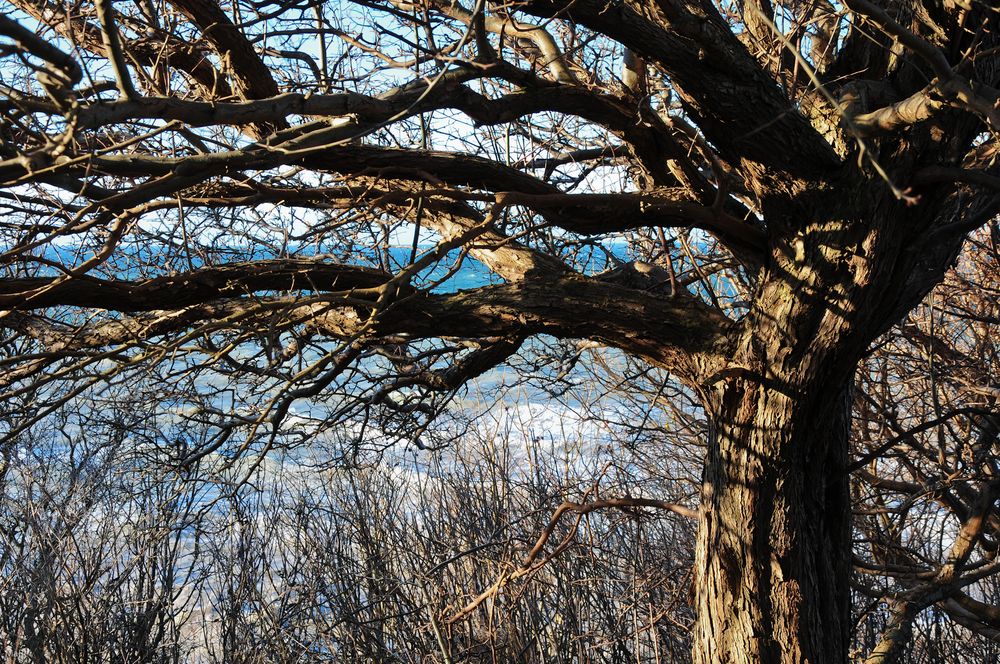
x,y
201,190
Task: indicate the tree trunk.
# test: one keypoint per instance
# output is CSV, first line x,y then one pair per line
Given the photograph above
x,y
773,555
773,559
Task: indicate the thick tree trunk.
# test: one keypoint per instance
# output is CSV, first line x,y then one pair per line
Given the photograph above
x,y
772,568
773,557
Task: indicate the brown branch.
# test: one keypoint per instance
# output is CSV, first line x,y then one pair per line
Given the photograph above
x,y
531,564
870,456
981,100
679,333
572,157
650,140
909,604
252,77
910,111
739,106
32,43
113,46
146,51
186,289
321,149
940,174
490,354
930,53
552,57
987,614
591,214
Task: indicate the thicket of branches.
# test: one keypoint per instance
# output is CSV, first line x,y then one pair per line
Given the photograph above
x,y
285,286
113,552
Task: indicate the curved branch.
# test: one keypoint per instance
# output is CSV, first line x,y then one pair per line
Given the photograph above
x,y
553,57
146,51
40,48
980,100
252,77
113,46
680,333
592,214
651,141
531,562
735,102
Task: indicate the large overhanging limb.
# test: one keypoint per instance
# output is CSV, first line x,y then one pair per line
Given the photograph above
x,y
322,149
356,114
592,214
272,108
585,214
680,333
651,142
181,290
318,151
445,210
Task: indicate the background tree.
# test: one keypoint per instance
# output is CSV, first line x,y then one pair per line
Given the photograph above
x,y
252,218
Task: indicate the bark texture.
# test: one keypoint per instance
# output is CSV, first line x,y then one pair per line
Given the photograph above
x,y
773,561
827,195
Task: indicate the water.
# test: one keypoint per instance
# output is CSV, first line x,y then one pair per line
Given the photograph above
x,y
452,272
467,271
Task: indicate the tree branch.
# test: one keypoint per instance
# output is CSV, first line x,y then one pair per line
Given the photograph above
x,y
981,101
680,333
182,290
113,45
147,51
531,563
735,102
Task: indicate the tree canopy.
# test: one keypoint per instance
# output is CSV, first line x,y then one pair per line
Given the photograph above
x,y
233,229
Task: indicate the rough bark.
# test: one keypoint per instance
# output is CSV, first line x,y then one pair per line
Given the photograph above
x,y
836,240
773,557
